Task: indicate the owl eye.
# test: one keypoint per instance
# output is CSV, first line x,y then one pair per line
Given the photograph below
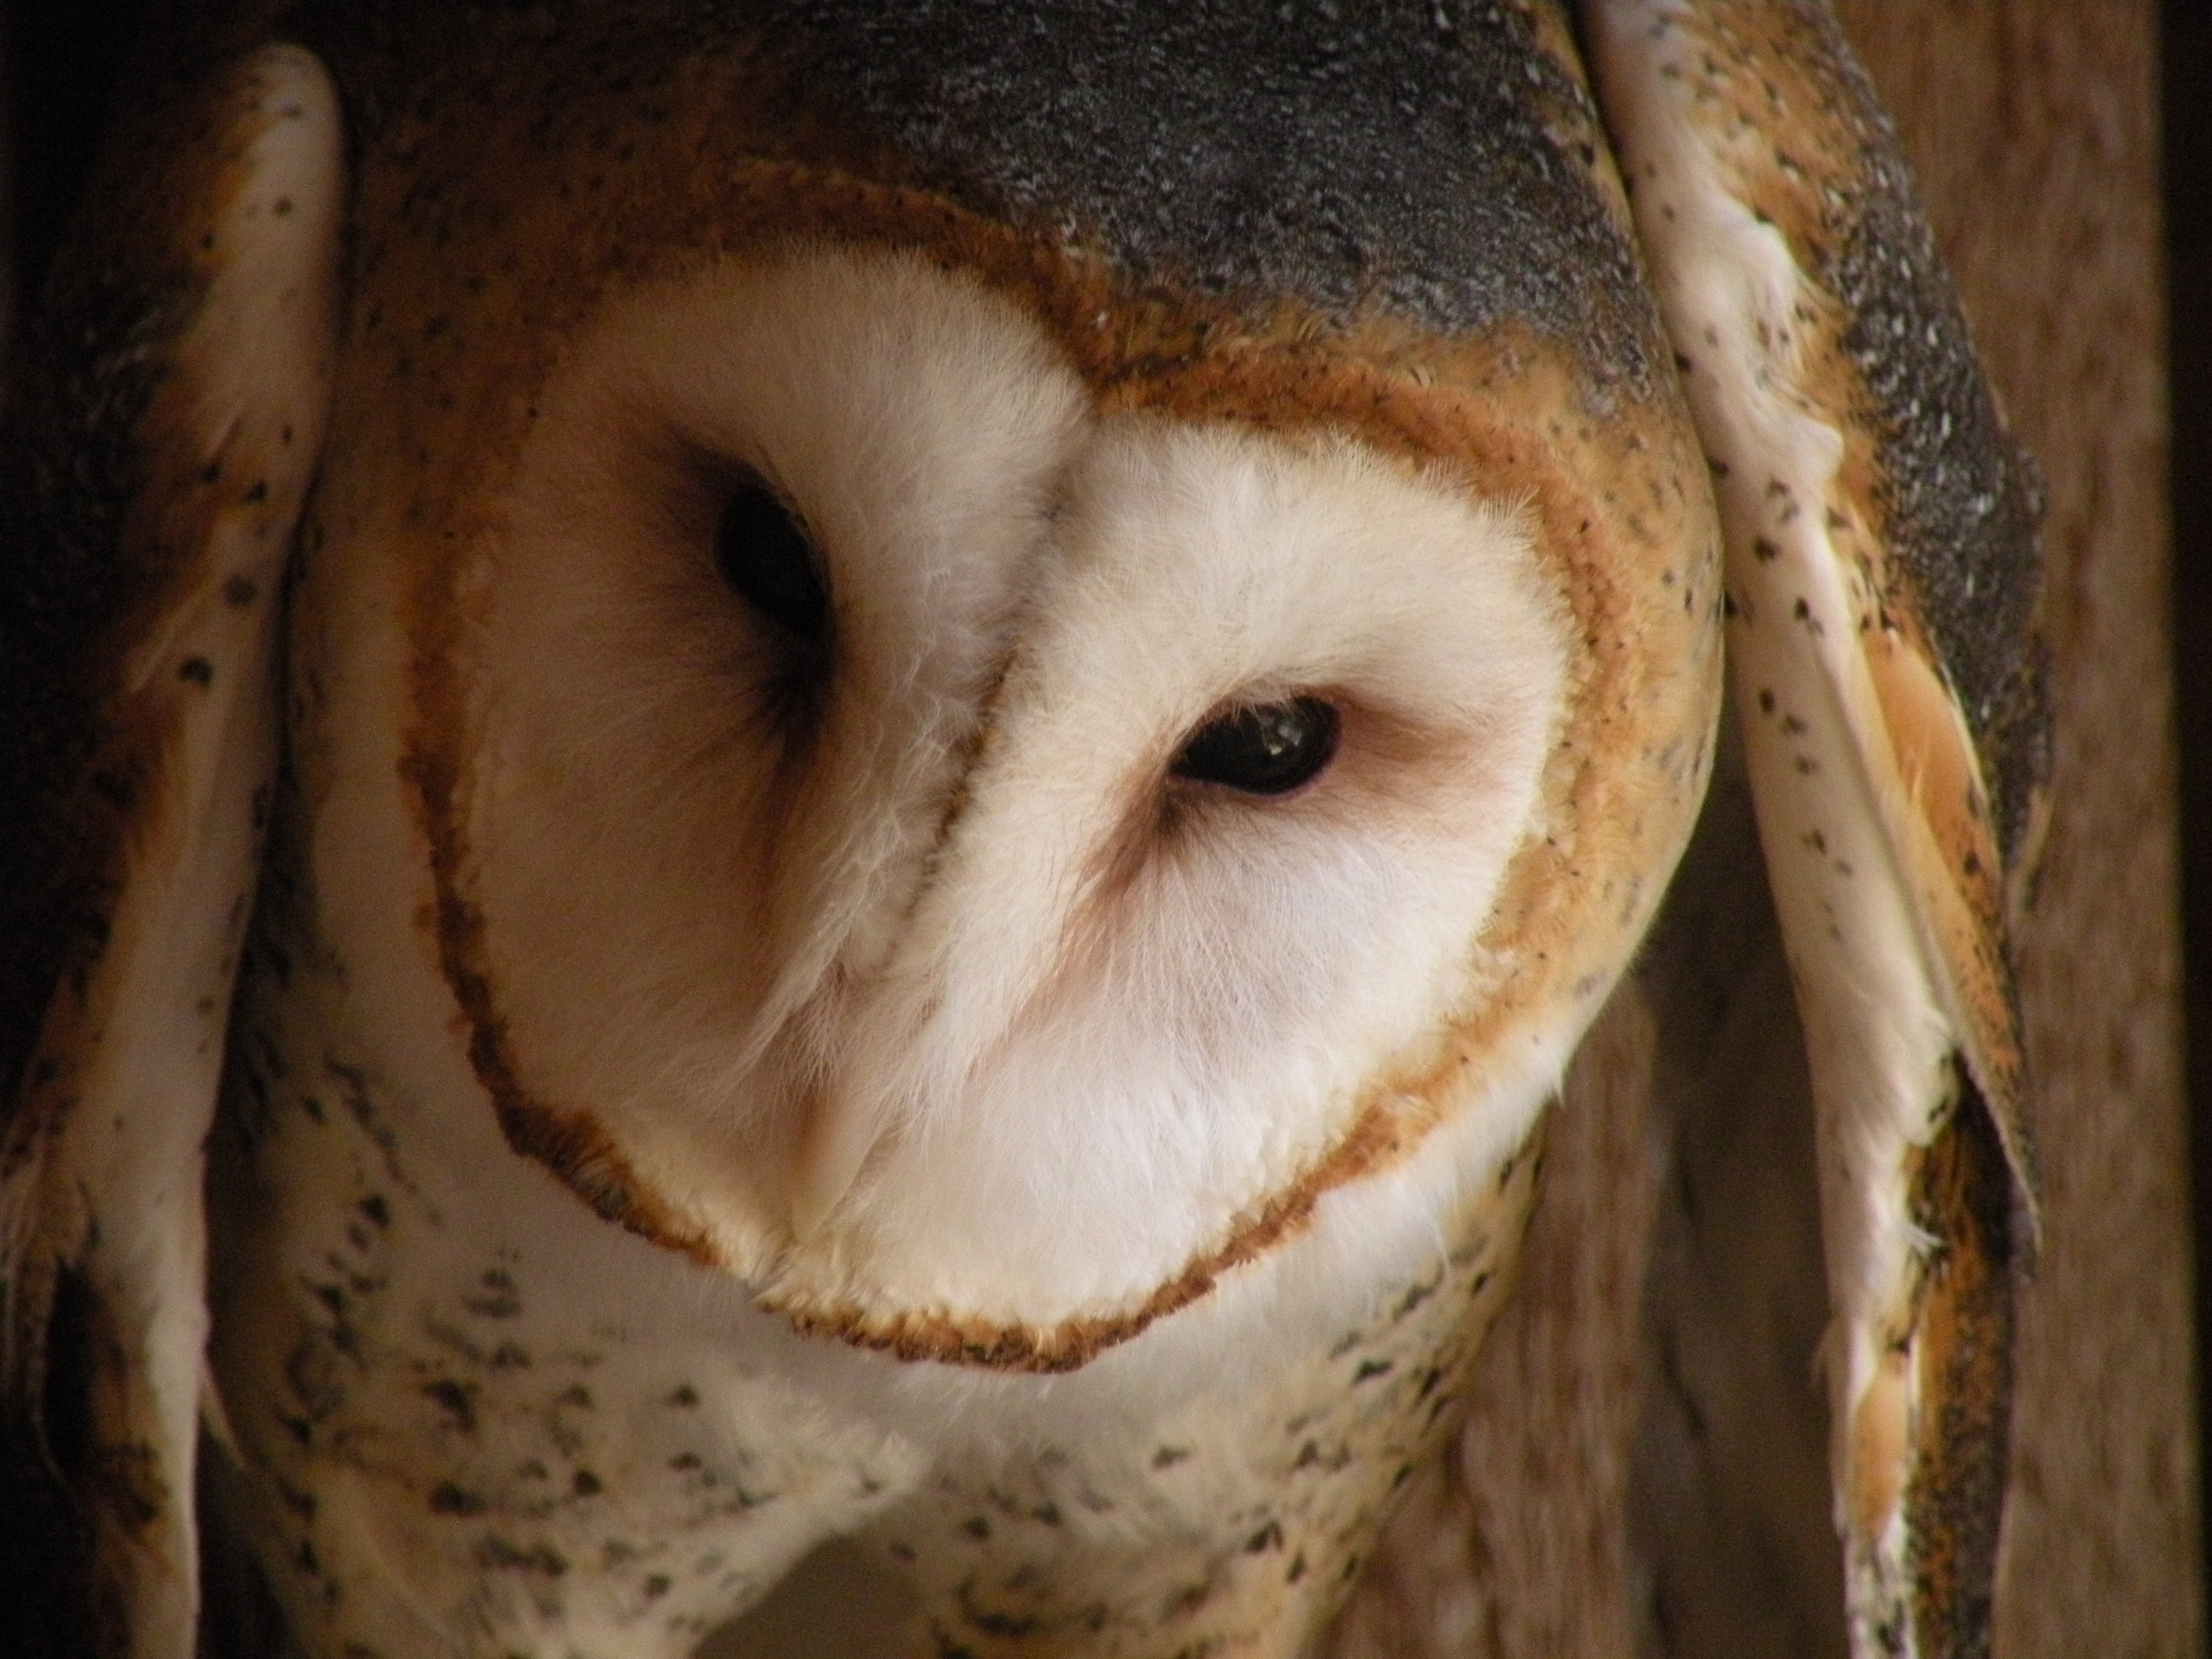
x,y
763,552
1269,750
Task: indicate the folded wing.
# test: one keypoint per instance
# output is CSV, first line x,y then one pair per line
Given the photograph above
x,y
1881,573
161,439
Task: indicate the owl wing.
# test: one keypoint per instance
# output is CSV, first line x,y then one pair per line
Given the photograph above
x,y
163,429
1881,571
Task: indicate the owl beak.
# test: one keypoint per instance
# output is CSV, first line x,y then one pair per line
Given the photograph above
x,y
839,1132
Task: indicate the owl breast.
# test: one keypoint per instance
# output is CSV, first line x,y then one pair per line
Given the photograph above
x,y
457,1412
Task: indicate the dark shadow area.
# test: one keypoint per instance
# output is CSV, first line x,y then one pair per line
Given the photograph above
x,y
61,64
2186,97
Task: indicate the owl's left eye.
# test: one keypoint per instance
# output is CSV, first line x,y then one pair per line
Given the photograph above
x,y
1269,750
763,551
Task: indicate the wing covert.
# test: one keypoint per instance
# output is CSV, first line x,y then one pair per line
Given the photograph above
x,y
1882,575
162,439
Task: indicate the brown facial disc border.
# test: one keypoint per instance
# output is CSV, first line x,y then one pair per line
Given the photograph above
x,y
1448,404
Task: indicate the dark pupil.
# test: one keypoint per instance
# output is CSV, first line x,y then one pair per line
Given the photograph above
x,y
1267,750
764,553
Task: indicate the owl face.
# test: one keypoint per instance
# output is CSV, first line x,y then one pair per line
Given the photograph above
x,y
970,804
1038,782
1008,808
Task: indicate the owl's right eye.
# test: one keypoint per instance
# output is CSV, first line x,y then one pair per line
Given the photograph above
x,y
763,551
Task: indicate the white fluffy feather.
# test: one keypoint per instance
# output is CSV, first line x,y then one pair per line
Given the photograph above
x,y
973,968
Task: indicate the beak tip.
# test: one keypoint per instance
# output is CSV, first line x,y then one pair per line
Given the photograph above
x,y
831,1154
810,1208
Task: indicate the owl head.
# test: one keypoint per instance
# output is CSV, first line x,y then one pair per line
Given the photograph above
x,y
969,766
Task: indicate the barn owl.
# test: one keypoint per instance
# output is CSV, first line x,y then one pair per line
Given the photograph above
x,y
802,772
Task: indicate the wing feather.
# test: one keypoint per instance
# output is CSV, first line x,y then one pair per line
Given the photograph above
x,y
1864,483
157,727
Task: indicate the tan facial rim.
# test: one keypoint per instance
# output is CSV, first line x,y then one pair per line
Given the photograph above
x,y
1632,546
